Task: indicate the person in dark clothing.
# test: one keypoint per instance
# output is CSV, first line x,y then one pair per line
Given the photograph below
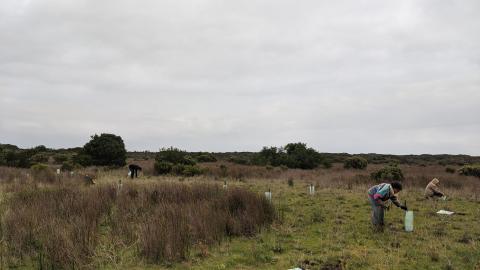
x,y
378,195
134,168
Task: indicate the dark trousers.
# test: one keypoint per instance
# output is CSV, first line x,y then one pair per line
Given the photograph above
x,y
378,213
133,173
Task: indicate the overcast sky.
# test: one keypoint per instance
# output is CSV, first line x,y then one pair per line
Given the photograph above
x,y
342,76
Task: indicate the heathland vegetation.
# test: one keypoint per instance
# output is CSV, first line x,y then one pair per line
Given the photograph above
x,y
208,210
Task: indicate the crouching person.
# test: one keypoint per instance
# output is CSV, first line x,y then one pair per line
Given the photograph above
x,y
378,196
432,190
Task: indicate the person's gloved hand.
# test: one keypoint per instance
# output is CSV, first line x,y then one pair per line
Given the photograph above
x,y
404,207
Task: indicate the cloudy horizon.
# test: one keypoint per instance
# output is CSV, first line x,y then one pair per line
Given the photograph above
x,y
392,77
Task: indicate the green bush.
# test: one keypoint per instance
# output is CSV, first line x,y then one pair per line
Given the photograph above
x,y
106,150
174,156
358,163
191,170
391,172
82,159
3,157
292,155
163,167
327,164
70,166
175,161
206,158
470,170
39,158
178,169
60,158
19,159
239,160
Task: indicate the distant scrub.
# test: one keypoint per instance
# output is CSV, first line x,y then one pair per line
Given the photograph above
x,y
175,161
60,158
355,163
206,158
62,228
391,172
239,160
470,170
292,155
70,166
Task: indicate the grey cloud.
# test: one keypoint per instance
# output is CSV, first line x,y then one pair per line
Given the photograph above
x,y
343,76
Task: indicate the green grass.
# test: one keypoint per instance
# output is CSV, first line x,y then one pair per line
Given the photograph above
x,y
332,229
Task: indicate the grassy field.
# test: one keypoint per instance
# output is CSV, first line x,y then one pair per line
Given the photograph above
x,y
329,230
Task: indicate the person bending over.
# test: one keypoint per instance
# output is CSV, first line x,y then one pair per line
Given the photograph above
x,y
134,168
378,195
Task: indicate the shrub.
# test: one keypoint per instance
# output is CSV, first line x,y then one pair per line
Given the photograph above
x,y
19,159
299,156
327,164
470,170
206,158
60,158
239,160
106,150
163,167
355,163
191,170
391,172
292,155
39,158
450,170
174,156
173,160
82,159
178,169
186,170
70,166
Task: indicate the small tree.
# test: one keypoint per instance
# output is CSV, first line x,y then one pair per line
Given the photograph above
x,y
299,156
470,170
174,156
106,150
358,163
175,161
390,172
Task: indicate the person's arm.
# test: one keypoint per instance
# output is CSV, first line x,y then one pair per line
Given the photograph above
x,y
395,201
436,191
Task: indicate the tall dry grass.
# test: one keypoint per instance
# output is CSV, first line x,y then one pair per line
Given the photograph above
x,y
416,177
62,226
